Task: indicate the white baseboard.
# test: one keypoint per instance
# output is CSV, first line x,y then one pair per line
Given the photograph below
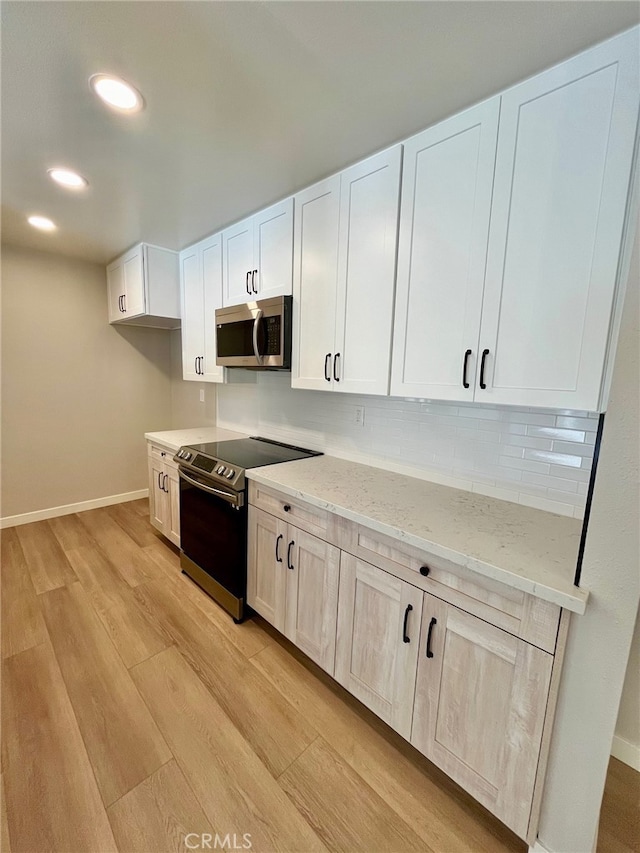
x,y
68,509
625,751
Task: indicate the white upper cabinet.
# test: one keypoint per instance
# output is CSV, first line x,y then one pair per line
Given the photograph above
x,y
191,285
144,288
565,149
258,255
315,275
368,238
201,286
444,224
345,242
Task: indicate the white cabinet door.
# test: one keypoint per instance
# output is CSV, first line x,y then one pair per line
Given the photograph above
x,y
192,312
211,265
315,271
266,567
237,248
480,703
313,570
115,290
444,223
377,647
562,174
273,250
157,495
369,199
134,282
172,499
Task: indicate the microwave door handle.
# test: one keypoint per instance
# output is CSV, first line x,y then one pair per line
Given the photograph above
x,y
256,323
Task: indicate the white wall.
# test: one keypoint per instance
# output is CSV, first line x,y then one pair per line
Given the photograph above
x,y
599,641
186,408
540,458
77,394
626,743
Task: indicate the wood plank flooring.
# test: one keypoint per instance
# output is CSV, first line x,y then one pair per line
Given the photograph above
x,y
135,712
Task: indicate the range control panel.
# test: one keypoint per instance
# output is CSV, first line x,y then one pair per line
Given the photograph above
x,y
214,469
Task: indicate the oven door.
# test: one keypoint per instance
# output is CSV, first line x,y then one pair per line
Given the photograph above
x,y
255,335
213,539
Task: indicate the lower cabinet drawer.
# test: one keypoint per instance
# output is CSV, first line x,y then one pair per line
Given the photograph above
x,y
314,520
517,612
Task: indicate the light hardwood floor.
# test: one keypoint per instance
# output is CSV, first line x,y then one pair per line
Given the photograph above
x,y
135,712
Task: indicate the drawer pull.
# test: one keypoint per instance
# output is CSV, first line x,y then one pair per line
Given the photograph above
x,y
278,557
289,565
424,571
286,508
433,622
405,636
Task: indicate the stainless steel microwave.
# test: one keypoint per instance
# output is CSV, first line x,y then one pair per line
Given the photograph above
x,y
256,335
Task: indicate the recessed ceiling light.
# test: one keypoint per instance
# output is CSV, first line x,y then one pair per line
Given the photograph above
x,y
42,222
115,92
68,178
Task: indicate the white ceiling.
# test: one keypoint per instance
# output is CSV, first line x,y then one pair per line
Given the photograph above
x,y
246,101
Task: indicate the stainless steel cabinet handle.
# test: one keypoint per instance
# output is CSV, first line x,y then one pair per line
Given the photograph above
x,y
256,323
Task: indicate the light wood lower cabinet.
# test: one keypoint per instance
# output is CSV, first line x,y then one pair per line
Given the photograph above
x,y
479,709
378,631
164,493
292,581
476,698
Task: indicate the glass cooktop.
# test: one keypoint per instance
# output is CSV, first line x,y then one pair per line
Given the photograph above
x,y
252,452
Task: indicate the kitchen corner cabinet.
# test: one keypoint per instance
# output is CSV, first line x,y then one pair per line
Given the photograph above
x,y
565,150
201,291
258,255
164,493
143,288
507,278
292,581
345,240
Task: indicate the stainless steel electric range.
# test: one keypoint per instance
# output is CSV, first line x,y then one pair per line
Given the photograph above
x,y
213,512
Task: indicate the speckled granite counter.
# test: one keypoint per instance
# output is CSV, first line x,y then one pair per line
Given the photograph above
x,y
528,549
174,439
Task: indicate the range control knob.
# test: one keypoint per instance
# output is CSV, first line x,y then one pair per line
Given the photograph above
x,y
230,474
221,469
187,456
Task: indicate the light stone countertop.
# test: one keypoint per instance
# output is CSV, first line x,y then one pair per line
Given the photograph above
x,y
528,549
174,439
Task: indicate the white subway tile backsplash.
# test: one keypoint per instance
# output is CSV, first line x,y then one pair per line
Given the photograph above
x,y
535,457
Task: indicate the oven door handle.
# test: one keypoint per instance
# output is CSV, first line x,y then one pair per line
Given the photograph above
x,y
236,500
256,322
